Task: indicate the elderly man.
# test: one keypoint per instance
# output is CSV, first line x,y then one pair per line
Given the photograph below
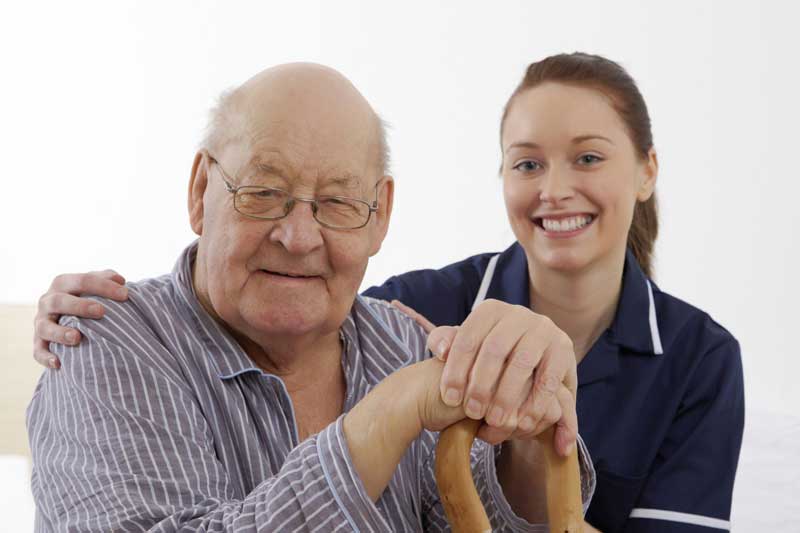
x,y
251,389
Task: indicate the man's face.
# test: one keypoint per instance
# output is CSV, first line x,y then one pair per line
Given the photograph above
x,y
291,277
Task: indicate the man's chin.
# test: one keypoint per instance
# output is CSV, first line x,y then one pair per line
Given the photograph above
x,y
285,321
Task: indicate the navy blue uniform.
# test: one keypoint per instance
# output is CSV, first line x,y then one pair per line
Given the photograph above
x,y
660,394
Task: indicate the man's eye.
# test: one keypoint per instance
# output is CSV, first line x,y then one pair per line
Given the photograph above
x,y
334,201
589,159
527,166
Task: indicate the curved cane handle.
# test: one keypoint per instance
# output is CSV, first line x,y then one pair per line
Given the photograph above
x,y
460,499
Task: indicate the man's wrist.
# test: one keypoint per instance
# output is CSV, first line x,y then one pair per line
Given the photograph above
x,y
379,430
400,418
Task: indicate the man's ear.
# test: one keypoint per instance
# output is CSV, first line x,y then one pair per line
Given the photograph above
x,y
384,213
648,184
197,188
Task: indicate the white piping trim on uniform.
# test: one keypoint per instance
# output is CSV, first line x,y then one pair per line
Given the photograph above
x,y
486,281
684,518
654,334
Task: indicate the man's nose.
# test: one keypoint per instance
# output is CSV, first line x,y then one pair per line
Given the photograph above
x,y
555,186
298,232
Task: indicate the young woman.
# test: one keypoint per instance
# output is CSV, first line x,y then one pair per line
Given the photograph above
x,y
660,396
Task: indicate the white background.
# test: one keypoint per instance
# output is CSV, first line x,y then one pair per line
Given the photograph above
x,y
102,105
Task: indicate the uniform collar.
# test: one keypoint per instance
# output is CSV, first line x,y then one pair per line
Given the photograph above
x,y
635,324
510,282
634,329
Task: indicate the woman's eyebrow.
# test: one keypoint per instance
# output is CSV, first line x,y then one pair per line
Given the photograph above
x,y
582,138
522,144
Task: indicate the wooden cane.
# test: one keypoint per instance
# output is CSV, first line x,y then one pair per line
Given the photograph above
x,y
460,499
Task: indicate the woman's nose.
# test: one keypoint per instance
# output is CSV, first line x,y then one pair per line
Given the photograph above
x,y
555,186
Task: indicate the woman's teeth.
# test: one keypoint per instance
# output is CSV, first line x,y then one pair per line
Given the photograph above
x,y
566,224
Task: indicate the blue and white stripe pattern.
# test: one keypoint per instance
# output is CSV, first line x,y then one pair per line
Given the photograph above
x,y
158,421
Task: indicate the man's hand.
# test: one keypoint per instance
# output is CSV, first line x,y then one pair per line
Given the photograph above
x,y
513,368
381,427
62,298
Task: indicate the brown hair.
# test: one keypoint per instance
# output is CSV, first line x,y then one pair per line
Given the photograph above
x,y
608,77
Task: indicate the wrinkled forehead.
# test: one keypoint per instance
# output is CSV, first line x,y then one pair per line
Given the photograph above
x,y
301,155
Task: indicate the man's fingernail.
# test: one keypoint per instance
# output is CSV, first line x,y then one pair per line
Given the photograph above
x,y
52,362
474,409
71,337
122,292
526,424
95,309
495,417
452,397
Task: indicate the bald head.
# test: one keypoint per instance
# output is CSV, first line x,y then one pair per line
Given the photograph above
x,y
304,102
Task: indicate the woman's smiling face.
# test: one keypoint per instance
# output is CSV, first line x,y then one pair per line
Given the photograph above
x,y
571,176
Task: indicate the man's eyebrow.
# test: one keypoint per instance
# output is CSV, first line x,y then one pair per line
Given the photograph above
x,y
581,138
347,180
262,167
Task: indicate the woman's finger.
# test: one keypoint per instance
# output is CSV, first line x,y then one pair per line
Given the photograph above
x,y
553,413
566,433
113,275
426,324
42,355
559,413
93,283
551,373
55,304
515,384
486,380
465,347
440,339
48,331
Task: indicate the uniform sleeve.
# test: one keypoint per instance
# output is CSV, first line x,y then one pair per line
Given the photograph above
x,y
690,486
501,515
120,444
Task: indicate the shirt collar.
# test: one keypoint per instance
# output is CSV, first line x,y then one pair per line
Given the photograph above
x,y
225,354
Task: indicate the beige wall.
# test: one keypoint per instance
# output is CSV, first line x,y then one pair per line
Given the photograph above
x,y
18,376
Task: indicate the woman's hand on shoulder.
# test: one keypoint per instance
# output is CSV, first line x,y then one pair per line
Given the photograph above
x,y
64,298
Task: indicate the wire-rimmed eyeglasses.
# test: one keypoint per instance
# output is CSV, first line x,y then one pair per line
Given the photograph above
x,y
270,203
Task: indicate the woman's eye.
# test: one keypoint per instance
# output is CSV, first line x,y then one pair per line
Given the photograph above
x,y
589,159
527,166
